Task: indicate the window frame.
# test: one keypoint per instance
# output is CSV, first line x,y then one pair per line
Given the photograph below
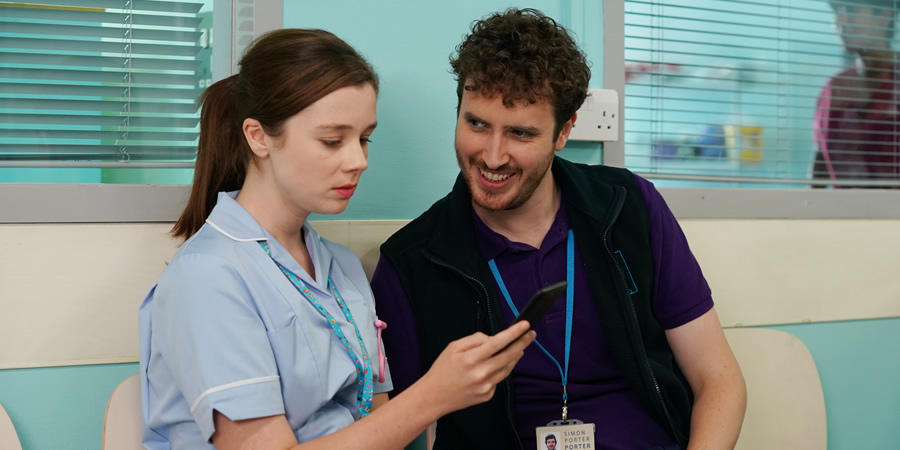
x,y
733,203
104,203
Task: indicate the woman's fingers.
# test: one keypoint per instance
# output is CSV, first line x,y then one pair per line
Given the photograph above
x,y
501,340
508,358
469,369
523,341
496,367
467,343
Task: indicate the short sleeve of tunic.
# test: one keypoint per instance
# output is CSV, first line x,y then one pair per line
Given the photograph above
x,y
681,292
210,335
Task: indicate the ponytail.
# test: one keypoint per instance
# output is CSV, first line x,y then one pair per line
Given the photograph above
x,y
222,155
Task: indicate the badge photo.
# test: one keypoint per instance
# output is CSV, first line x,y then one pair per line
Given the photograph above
x,y
566,435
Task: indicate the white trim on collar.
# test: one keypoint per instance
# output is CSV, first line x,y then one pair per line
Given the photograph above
x,y
235,237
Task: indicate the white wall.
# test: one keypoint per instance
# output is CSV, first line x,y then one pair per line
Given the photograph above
x,y
70,292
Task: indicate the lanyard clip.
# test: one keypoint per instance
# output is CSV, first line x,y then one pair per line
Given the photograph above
x,y
565,414
380,325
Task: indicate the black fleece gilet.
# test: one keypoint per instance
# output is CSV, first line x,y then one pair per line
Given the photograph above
x,y
452,294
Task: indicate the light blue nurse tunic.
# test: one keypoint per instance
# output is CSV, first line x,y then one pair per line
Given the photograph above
x,y
225,330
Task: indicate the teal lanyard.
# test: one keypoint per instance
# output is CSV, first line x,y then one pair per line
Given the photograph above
x,y
570,300
363,368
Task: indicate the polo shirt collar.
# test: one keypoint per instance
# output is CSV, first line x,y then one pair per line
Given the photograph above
x,y
492,244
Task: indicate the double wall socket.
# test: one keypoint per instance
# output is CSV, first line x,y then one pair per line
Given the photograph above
x,y
598,117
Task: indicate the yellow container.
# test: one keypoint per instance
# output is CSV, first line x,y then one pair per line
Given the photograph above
x,y
744,143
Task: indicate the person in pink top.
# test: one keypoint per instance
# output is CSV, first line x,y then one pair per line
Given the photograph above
x,y
856,126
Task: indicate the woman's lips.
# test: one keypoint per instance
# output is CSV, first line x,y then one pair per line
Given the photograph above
x,y
346,191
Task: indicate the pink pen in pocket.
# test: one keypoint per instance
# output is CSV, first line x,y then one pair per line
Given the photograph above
x,y
380,325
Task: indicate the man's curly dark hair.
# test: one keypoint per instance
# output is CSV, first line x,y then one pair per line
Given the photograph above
x,y
523,55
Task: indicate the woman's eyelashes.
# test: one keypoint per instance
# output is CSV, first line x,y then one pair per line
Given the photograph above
x,y
335,143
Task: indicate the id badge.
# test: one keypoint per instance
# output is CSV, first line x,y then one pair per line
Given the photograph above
x,y
569,434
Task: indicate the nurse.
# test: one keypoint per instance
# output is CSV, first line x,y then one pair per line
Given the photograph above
x,y
260,333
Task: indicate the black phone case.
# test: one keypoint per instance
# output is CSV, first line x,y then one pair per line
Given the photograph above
x,y
541,302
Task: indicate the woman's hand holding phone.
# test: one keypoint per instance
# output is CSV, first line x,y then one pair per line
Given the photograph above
x,y
466,373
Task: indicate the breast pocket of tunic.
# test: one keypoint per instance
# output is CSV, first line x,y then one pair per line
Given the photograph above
x,y
302,385
363,311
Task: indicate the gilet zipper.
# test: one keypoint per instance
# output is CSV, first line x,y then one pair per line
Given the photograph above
x,y
506,383
617,208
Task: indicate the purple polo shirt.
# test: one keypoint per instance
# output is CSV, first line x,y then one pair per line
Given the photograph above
x,y
598,393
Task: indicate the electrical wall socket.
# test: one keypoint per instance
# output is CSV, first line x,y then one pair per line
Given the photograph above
x,y
598,117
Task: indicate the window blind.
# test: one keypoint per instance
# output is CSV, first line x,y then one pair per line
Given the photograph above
x,y
101,80
788,93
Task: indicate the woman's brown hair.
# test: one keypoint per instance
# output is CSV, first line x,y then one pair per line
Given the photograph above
x,y
281,73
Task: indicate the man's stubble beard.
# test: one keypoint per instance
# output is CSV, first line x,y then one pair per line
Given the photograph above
x,y
526,190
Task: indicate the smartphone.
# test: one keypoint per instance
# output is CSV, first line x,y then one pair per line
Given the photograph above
x,y
540,303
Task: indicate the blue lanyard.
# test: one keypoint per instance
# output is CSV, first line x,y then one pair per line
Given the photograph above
x,y
364,383
570,300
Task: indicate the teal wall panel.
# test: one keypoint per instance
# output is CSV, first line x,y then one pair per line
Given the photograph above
x,y
858,363
58,408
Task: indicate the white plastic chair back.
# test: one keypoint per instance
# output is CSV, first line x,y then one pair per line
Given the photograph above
x,y
785,404
9,439
123,424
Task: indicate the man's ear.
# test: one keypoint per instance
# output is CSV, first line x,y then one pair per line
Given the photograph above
x,y
564,133
257,138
